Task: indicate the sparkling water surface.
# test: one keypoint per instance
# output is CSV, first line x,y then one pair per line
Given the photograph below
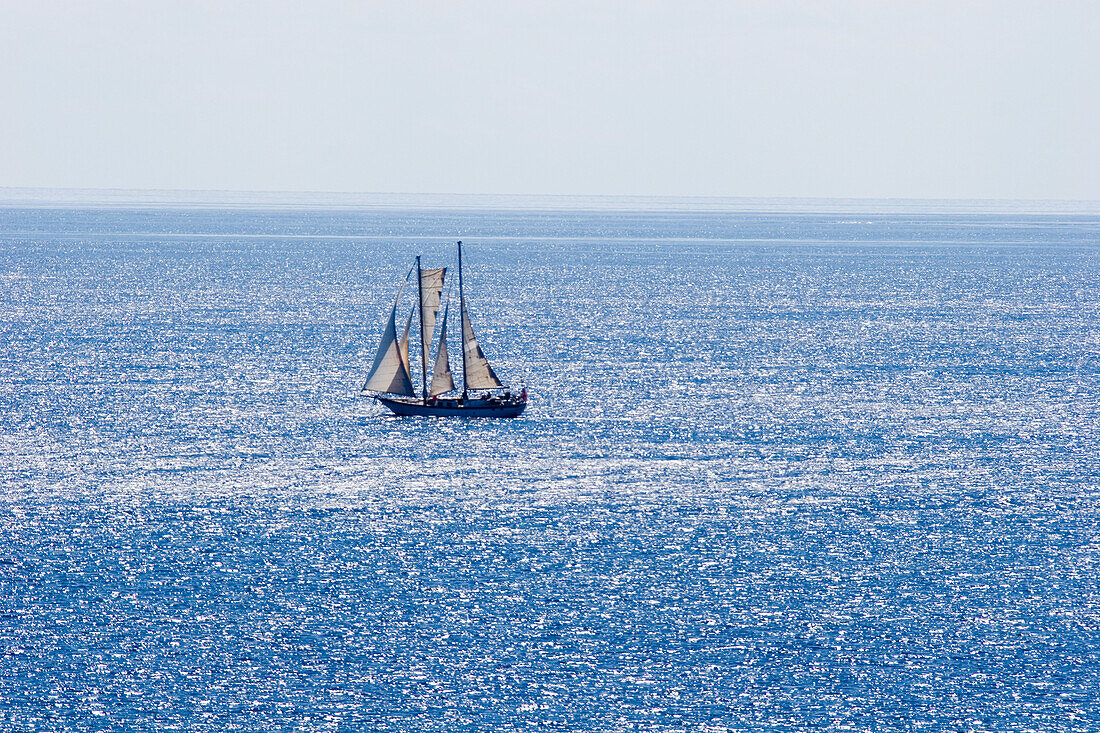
x,y
780,470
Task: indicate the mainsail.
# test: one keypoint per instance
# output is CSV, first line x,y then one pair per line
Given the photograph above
x,y
389,373
479,375
431,285
442,380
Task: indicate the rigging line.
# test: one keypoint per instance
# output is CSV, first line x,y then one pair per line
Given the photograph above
x,y
525,362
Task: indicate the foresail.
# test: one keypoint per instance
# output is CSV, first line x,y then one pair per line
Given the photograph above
x,y
442,380
479,375
389,373
431,286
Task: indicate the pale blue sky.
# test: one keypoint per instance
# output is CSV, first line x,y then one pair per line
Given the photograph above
x,y
842,99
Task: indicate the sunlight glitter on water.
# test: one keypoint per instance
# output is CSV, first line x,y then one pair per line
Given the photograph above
x,y
779,471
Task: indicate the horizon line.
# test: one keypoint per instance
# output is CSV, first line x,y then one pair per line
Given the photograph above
x,y
45,197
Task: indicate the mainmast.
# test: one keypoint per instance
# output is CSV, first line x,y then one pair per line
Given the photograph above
x,y
462,320
423,356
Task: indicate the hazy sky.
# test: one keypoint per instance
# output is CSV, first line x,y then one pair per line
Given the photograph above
x,y
771,98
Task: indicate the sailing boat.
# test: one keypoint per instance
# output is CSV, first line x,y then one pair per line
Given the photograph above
x,y
390,380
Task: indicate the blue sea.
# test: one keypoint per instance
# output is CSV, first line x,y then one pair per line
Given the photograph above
x,y
786,466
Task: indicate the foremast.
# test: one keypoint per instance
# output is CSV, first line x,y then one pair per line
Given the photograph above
x,y
462,321
423,356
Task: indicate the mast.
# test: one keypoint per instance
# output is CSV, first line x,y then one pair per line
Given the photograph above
x,y
462,321
423,356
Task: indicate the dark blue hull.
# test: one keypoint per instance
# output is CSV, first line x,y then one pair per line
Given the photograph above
x,y
473,407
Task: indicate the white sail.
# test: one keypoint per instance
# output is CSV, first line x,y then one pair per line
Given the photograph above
x,y
431,285
479,375
389,373
442,380
403,344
